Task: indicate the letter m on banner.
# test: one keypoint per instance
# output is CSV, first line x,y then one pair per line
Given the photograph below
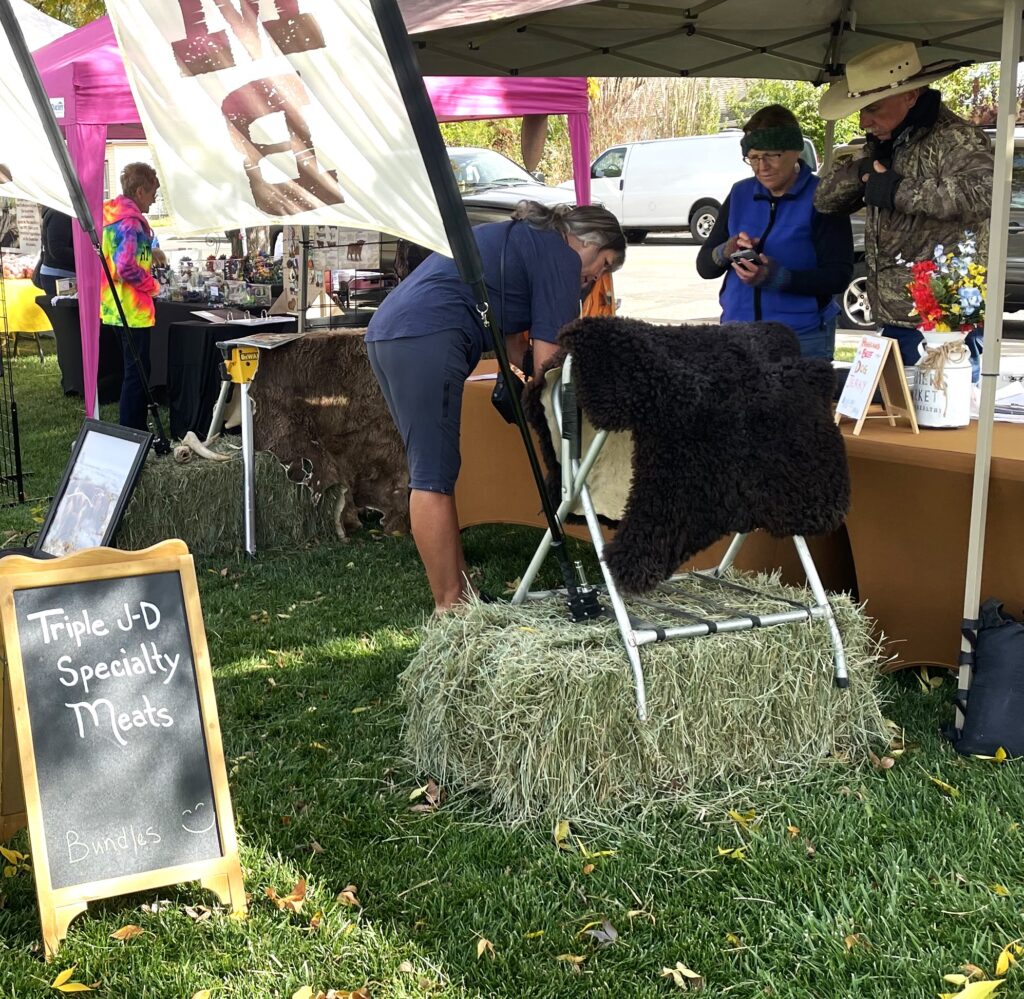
x,y
253,119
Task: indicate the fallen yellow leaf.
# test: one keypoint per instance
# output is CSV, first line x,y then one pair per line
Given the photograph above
x,y
856,940
63,983
304,993
202,994
129,932
998,889
732,853
574,959
955,979
293,900
588,868
743,819
999,756
980,990
683,977
561,835
347,896
533,934
1007,957
945,788
484,946
793,831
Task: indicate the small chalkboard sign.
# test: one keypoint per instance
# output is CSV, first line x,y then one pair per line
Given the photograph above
x,y
118,742
876,366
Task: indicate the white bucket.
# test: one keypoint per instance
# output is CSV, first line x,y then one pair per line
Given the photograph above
x,y
942,390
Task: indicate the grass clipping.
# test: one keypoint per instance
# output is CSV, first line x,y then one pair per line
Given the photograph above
x,y
200,502
539,713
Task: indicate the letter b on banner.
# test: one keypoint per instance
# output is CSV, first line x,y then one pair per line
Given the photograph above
x,y
312,186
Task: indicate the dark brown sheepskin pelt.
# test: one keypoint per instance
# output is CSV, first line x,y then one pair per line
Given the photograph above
x,y
732,431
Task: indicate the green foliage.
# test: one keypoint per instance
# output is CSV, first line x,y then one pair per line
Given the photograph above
x,y
800,97
504,136
973,92
73,12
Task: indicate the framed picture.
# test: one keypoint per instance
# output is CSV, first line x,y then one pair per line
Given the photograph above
x,y
94,490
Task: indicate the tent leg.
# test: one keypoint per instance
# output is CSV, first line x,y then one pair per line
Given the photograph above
x,y
1008,71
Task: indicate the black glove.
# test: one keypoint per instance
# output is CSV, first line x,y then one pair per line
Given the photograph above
x,y
880,190
865,167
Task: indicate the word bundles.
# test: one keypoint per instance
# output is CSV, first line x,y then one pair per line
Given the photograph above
x,y
118,744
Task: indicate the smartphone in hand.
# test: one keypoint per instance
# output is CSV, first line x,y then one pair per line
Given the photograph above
x,y
752,255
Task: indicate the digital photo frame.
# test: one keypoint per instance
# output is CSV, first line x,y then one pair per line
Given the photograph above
x,y
98,482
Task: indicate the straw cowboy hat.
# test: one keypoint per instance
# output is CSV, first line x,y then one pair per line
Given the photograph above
x,y
892,68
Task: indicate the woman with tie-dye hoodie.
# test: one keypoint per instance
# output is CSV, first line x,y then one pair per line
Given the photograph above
x,y
128,249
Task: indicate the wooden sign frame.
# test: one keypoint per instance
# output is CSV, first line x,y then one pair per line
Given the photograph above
x,y
891,380
222,875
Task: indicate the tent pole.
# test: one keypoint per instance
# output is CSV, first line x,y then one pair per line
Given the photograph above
x,y
830,145
582,601
994,297
60,152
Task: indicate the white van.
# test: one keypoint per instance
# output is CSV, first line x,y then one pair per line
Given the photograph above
x,y
678,183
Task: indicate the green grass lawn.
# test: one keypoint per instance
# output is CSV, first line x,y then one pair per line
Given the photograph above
x,y
876,889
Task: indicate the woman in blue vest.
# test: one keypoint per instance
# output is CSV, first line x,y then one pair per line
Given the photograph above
x,y
798,258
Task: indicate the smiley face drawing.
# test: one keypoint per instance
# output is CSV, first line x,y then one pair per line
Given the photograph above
x,y
193,818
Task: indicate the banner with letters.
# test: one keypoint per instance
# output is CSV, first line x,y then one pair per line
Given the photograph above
x,y
28,168
276,111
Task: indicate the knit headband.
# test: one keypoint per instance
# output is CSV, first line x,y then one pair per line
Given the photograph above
x,y
778,137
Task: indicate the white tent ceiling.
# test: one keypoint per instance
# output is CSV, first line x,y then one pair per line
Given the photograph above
x,y
778,39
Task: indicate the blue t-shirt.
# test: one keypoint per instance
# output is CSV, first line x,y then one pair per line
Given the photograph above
x,y
542,289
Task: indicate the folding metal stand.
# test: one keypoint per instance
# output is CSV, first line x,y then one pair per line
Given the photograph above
x,y
637,632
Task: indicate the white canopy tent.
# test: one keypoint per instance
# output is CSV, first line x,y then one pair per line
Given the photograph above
x,y
784,39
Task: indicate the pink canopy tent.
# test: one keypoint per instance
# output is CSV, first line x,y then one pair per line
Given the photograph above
x,y
84,69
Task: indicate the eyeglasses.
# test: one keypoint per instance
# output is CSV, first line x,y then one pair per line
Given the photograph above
x,y
764,159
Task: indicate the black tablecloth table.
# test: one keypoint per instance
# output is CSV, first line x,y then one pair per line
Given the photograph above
x,y
68,336
193,369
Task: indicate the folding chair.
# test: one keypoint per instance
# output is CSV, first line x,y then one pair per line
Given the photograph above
x,y
713,586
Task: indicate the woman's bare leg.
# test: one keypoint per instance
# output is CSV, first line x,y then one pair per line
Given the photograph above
x,y
435,529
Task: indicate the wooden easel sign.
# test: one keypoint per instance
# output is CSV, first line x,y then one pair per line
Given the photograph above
x,y
118,742
876,366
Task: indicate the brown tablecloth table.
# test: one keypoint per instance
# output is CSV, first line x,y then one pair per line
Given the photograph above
x,y
907,527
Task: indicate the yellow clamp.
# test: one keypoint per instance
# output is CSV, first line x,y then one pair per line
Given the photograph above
x,y
242,364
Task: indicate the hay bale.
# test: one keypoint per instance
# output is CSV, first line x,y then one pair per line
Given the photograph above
x,y
539,713
200,501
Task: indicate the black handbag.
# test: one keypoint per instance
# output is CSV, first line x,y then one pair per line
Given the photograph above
x,y
501,397
994,705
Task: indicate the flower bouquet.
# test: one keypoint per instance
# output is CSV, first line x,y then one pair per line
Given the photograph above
x,y
948,291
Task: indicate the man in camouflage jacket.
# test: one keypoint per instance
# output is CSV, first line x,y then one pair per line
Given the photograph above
x,y
925,179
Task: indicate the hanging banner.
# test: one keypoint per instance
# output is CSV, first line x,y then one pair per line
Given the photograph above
x,y
28,169
262,112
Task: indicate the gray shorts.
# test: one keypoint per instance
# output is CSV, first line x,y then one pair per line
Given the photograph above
x,y
422,378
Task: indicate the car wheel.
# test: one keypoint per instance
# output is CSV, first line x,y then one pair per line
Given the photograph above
x,y
702,221
635,235
855,305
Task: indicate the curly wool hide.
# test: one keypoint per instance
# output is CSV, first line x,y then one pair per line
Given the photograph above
x,y
732,431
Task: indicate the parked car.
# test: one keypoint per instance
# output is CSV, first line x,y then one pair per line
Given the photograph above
x,y
487,178
856,309
672,184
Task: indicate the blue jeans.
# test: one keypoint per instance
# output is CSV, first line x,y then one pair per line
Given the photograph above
x,y
132,409
820,342
909,338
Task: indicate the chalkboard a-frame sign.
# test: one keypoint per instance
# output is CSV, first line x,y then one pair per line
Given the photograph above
x,y
118,743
